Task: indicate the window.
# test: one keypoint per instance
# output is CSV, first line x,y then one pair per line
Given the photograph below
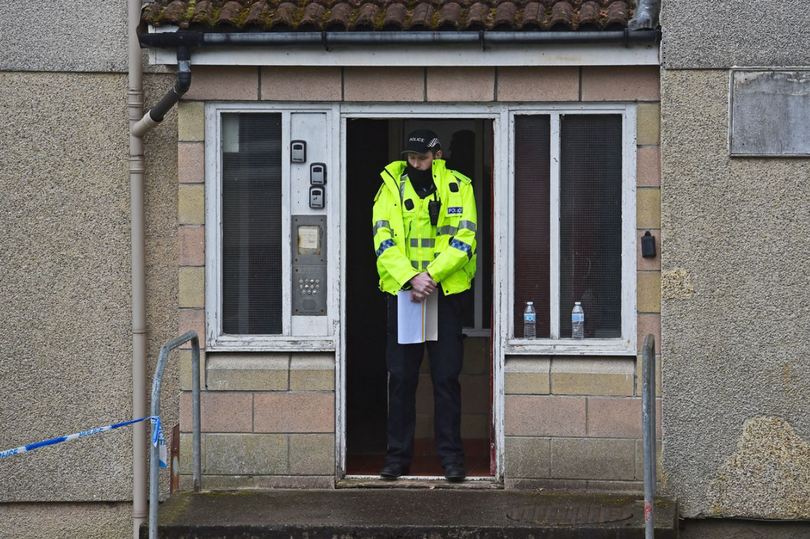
x,y
573,229
251,224
564,226
261,226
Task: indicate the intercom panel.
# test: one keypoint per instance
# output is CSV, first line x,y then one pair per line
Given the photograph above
x,y
309,274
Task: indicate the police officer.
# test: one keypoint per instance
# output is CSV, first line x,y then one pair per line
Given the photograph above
x,y
424,235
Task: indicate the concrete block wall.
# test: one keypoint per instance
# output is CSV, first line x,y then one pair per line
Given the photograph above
x,y
417,84
569,421
573,423
268,420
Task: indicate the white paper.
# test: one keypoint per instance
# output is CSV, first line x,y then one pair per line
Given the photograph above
x,y
417,322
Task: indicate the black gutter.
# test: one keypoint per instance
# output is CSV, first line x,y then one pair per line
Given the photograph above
x,y
329,39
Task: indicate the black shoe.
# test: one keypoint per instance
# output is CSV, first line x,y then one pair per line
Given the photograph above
x,y
455,473
394,471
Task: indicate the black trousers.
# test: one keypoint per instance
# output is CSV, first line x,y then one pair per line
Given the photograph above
x,y
446,359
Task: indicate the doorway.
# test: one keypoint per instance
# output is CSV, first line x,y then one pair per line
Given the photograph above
x,y
370,145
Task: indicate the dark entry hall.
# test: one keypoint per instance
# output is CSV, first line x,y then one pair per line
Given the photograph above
x,y
371,145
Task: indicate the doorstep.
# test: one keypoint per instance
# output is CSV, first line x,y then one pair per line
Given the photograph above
x,y
409,513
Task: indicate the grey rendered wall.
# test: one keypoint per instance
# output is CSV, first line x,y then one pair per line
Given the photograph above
x,y
57,520
734,298
742,529
725,33
735,321
65,264
65,260
69,35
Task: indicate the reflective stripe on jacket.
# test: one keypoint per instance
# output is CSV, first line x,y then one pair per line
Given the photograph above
x,y
453,259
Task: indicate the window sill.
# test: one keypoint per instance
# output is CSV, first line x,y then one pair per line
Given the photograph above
x,y
270,343
570,347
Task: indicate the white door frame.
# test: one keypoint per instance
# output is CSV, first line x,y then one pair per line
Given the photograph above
x,y
498,114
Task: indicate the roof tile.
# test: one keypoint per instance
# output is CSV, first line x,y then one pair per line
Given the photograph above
x,y
562,15
422,18
231,14
589,15
313,15
367,18
257,14
175,12
339,17
204,14
390,15
151,14
449,17
284,17
618,14
505,17
533,15
396,17
477,19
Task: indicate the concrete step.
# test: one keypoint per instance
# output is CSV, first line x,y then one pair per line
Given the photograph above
x,y
409,514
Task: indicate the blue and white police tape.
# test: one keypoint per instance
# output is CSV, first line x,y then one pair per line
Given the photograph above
x,y
157,439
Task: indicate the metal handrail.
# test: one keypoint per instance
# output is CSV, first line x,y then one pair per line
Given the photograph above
x,y
648,434
154,456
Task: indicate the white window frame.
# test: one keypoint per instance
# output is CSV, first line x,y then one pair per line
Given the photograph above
x,y
626,344
216,340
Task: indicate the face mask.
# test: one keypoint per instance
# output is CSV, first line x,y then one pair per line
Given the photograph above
x,y
420,179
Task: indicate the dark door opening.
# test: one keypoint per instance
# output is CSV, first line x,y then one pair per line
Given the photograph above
x,y
370,145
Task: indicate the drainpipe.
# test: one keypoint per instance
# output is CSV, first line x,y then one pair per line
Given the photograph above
x,y
136,168
138,127
646,15
156,114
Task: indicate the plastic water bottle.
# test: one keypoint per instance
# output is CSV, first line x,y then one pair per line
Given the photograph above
x,y
529,321
577,322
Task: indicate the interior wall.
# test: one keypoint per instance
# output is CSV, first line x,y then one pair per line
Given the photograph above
x,y
367,148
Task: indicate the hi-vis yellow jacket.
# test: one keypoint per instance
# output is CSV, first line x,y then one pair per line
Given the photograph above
x,y
405,241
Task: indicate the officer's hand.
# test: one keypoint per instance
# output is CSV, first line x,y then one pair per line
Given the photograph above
x,y
423,284
416,297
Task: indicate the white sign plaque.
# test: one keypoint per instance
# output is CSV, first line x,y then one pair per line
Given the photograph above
x,y
769,113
